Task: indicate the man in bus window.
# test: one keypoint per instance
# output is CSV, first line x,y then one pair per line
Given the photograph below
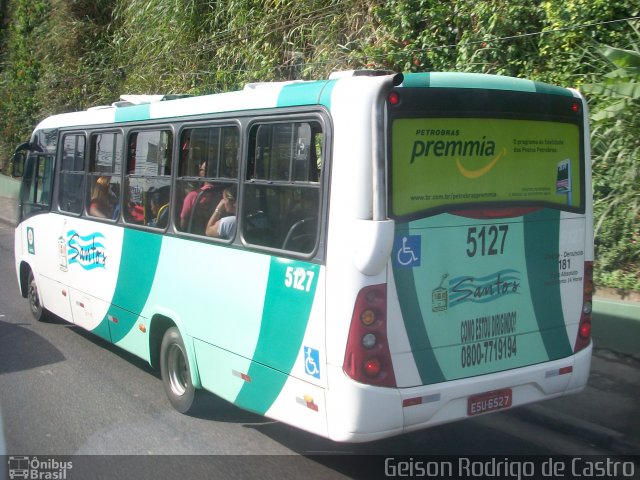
x,y
222,223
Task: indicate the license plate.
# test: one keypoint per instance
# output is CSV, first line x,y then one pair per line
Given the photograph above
x,y
489,401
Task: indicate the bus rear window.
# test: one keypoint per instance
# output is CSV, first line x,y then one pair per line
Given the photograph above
x,y
441,164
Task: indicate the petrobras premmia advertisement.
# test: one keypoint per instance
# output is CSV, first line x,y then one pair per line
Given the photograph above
x,y
457,161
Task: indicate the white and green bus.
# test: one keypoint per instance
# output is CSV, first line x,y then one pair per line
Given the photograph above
x,y
400,251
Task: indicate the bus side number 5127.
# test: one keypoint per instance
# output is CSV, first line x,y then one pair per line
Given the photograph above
x,y
486,240
298,278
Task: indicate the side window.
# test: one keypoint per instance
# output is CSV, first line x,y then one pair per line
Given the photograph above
x,y
281,200
208,174
105,165
72,173
36,184
148,178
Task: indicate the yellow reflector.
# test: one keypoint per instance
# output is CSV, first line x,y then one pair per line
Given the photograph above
x,y
368,317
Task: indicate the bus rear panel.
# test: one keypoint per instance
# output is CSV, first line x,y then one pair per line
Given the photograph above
x,y
488,297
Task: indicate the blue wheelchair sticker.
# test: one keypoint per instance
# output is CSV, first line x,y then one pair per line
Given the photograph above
x,y
312,362
407,251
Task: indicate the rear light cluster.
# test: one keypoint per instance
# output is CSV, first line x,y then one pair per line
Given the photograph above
x,y
367,358
584,329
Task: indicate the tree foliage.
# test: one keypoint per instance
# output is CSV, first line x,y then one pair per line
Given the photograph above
x,y
64,55
616,166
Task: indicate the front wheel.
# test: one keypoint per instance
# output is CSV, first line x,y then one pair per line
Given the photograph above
x,y
35,305
176,374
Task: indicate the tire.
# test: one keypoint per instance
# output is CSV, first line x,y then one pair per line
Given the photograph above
x,y
35,305
176,374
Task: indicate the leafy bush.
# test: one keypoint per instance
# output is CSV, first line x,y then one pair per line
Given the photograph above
x,y
20,72
616,167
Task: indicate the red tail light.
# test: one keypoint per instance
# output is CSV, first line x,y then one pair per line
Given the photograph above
x,y
368,359
584,329
393,98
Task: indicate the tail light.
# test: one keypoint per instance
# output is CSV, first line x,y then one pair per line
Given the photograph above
x,y
368,359
584,329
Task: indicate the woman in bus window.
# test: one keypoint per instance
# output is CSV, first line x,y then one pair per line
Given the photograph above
x,y
103,200
197,201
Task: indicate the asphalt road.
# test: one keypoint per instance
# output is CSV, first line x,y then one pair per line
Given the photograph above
x,y
64,392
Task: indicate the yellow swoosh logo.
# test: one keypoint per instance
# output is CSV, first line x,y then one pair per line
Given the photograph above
x,y
481,171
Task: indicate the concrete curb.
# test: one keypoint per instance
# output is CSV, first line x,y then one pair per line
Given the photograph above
x,y
8,210
599,435
616,326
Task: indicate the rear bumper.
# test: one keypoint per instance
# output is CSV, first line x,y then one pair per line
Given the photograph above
x,y
361,413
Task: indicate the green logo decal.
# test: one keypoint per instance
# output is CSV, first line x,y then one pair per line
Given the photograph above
x,y
31,241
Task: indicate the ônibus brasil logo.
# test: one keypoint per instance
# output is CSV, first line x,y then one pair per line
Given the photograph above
x,y
37,468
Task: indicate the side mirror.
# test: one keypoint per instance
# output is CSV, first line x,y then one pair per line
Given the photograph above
x,y
18,162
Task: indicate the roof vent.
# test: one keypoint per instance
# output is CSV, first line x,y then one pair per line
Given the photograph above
x,y
359,73
130,100
256,85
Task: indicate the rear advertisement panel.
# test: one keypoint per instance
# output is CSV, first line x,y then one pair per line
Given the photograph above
x,y
444,162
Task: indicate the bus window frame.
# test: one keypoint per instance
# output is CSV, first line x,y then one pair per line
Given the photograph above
x,y
290,116
136,128
243,120
91,175
178,179
59,170
31,171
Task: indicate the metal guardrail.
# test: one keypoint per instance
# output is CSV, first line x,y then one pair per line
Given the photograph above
x,y
9,187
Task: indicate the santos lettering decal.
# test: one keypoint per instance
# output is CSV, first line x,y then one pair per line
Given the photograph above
x,y
483,289
88,251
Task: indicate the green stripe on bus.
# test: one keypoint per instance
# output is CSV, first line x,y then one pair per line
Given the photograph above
x,y
417,80
102,330
428,367
542,245
140,254
306,93
467,80
288,300
552,89
133,113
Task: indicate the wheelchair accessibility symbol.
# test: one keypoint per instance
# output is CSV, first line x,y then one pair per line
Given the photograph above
x,y
407,251
312,362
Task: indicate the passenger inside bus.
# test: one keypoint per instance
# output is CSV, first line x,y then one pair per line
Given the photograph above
x,y
103,199
222,223
197,204
159,206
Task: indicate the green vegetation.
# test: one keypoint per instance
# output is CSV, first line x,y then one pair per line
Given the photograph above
x,y
64,55
616,167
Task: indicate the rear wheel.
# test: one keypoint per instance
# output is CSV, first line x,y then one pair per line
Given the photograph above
x,y
35,305
176,374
